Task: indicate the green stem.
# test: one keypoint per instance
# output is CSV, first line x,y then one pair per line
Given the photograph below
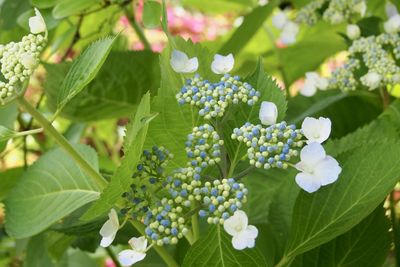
x,y
195,227
161,251
60,139
283,262
30,132
112,256
395,227
130,14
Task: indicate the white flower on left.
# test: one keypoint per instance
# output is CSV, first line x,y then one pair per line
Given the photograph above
x,y
36,23
109,229
243,235
313,82
181,63
289,33
317,169
129,257
316,130
222,64
268,113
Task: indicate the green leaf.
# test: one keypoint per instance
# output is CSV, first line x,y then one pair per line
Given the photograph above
x,y
52,188
367,244
66,8
8,115
252,22
368,175
133,147
83,70
37,254
9,11
115,92
43,3
6,134
151,14
8,179
215,250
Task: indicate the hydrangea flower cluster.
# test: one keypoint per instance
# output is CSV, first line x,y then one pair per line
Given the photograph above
x,y
19,59
214,98
270,147
337,11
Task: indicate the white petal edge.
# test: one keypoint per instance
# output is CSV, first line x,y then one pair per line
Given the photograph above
x,y
307,182
129,257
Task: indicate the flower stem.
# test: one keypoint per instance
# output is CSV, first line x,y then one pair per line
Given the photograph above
x,y
60,139
112,256
195,227
130,14
161,251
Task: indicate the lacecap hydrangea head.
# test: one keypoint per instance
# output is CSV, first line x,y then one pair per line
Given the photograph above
x,y
18,60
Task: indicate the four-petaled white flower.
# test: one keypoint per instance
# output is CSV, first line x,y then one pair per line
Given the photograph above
x,y
393,24
129,257
268,113
181,63
316,130
353,31
36,23
372,80
313,82
109,229
317,169
222,64
289,33
243,235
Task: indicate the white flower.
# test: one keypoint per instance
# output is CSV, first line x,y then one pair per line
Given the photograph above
x,y
289,33
109,229
28,60
390,9
279,19
353,31
371,80
393,24
313,82
181,63
317,169
129,257
316,130
222,64
244,235
36,23
268,113
360,8
262,2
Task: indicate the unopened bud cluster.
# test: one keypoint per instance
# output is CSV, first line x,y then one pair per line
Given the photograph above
x,y
337,11
270,147
213,98
203,146
18,61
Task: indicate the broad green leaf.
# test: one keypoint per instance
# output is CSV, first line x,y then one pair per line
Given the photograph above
x,y
251,24
368,175
8,115
83,70
151,14
51,188
9,11
115,92
215,249
66,8
43,3
8,179
367,245
133,147
37,254
6,133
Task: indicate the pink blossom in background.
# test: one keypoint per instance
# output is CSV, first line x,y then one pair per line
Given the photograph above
x,y
109,263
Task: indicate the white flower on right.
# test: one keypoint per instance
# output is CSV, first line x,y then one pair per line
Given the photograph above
x,y
280,19
313,82
129,257
353,31
243,235
181,63
289,33
317,168
372,80
109,229
36,23
316,130
268,113
393,24
222,64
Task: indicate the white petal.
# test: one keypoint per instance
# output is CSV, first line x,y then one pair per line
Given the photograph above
x,y
327,170
360,8
129,257
307,182
279,19
113,216
138,244
309,89
311,154
372,79
268,113
36,23
239,242
251,231
390,9
108,229
236,223
353,31
222,64
393,24
192,65
312,76
322,83
316,130
106,241
178,61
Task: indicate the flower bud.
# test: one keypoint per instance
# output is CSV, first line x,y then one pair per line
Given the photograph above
x,y
353,31
36,23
